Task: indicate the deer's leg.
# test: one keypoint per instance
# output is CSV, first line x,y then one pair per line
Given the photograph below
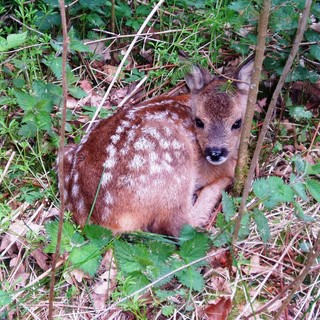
x,y
206,201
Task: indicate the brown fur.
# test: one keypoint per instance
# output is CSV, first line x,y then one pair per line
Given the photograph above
x,y
145,163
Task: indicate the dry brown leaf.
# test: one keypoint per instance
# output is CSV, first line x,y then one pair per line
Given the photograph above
x,y
218,310
41,258
110,72
220,284
255,266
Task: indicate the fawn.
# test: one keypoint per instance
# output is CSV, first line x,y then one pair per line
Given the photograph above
x,y
163,163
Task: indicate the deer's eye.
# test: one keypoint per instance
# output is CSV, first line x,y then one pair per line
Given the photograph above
x,y
199,123
237,124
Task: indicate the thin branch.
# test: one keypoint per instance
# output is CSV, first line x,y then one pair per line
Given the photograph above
x,y
270,111
241,167
313,254
61,146
123,62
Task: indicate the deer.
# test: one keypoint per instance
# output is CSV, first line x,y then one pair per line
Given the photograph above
x,y
162,163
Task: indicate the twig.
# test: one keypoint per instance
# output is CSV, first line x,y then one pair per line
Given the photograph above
x,y
123,62
269,113
313,254
253,92
312,141
61,146
7,166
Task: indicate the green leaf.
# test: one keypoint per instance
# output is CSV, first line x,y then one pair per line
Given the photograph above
x,y
98,235
313,187
28,130
195,247
314,51
68,232
300,164
135,281
25,100
272,191
191,278
313,169
168,310
12,41
77,92
285,18
5,298
244,227
131,258
262,225
87,258
228,206
300,213
300,190
300,113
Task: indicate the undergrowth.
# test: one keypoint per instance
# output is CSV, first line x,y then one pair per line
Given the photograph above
x,y
178,277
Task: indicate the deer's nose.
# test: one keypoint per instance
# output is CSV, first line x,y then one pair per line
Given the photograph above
x,y
216,155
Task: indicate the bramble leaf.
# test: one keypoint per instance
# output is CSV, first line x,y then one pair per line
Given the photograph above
x,y
272,191
313,187
228,206
262,225
191,278
86,258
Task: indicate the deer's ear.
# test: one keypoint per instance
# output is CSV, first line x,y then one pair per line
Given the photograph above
x,y
197,78
244,74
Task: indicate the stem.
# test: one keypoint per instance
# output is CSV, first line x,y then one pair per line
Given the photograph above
x,y
253,92
61,146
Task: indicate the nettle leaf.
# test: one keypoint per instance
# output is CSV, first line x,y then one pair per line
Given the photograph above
x,y
12,41
195,247
228,206
28,130
285,18
300,190
191,278
313,187
135,281
300,164
313,169
77,92
86,258
68,232
25,100
55,65
300,113
98,235
272,190
221,239
5,298
300,213
131,258
244,226
262,225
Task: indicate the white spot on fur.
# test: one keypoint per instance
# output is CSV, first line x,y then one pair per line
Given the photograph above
x,y
153,157
155,168
76,177
108,198
176,144
125,124
143,144
80,205
124,151
156,116
109,163
65,195
167,131
67,178
75,190
111,149
174,116
119,129
167,157
115,138
106,178
164,144
69,157
152,131
131,135
137,162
